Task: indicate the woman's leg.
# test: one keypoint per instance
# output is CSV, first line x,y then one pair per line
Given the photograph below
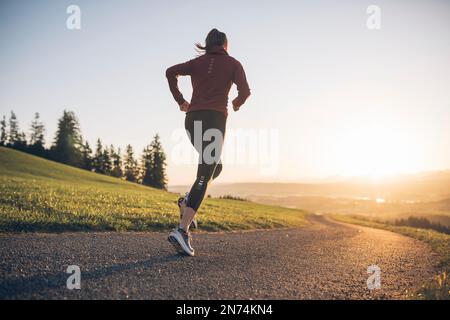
x,y
217,171
198,189
186,218
205,172
197,194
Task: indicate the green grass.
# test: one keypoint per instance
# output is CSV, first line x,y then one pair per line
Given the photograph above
x,y
439,242
41,195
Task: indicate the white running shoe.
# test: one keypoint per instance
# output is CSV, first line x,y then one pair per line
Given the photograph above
x,y
181,240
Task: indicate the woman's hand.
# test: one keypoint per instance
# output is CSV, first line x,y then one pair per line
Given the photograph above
x,y
184,106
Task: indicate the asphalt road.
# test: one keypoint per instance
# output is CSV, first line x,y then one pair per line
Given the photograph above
x,y
325,260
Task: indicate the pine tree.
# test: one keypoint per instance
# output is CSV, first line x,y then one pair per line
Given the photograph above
x,y
37,141
98,161
68,144
18,139
159,164
130,165
107,165
14,135
116,162
21,143
87,156
147,166
3,132
154,160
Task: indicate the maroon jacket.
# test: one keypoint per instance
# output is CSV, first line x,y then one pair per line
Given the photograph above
x,y
212,75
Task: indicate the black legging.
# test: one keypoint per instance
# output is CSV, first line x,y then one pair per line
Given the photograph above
x,y
207,170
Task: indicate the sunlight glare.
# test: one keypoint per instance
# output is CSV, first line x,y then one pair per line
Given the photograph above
x,y
377,151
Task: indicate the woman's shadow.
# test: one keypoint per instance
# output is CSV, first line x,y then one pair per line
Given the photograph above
x,y
28,286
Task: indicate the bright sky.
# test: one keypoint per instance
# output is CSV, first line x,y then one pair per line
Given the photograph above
x,y
336,97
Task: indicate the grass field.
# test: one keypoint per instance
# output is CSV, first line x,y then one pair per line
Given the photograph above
x,y
439,242
41,195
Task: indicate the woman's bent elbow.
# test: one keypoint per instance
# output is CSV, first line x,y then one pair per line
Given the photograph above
x,y
169,73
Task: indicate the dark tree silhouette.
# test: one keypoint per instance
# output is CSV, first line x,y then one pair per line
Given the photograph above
x,y
131,171
116,160
87,161
107,165
98,161
14,135
3,132
68,145
17,139
21,143
154,165
422,222
37,142
146,166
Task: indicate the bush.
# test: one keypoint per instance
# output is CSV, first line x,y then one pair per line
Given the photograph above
x,y
421,222
439,289
230,197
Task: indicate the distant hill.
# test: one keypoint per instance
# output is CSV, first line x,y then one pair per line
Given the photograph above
x,y
432,186
425,194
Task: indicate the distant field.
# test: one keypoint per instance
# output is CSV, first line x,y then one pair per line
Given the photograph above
x,y
422,195
436,211
41,195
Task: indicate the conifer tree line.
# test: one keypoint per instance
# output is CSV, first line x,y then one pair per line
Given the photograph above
x,y
70,148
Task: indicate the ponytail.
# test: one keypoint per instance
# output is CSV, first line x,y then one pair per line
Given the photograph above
x,y
215,38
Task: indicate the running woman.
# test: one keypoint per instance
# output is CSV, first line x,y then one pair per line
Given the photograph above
x,y
212,74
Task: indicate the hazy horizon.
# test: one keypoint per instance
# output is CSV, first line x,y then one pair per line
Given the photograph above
x,y
336,179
